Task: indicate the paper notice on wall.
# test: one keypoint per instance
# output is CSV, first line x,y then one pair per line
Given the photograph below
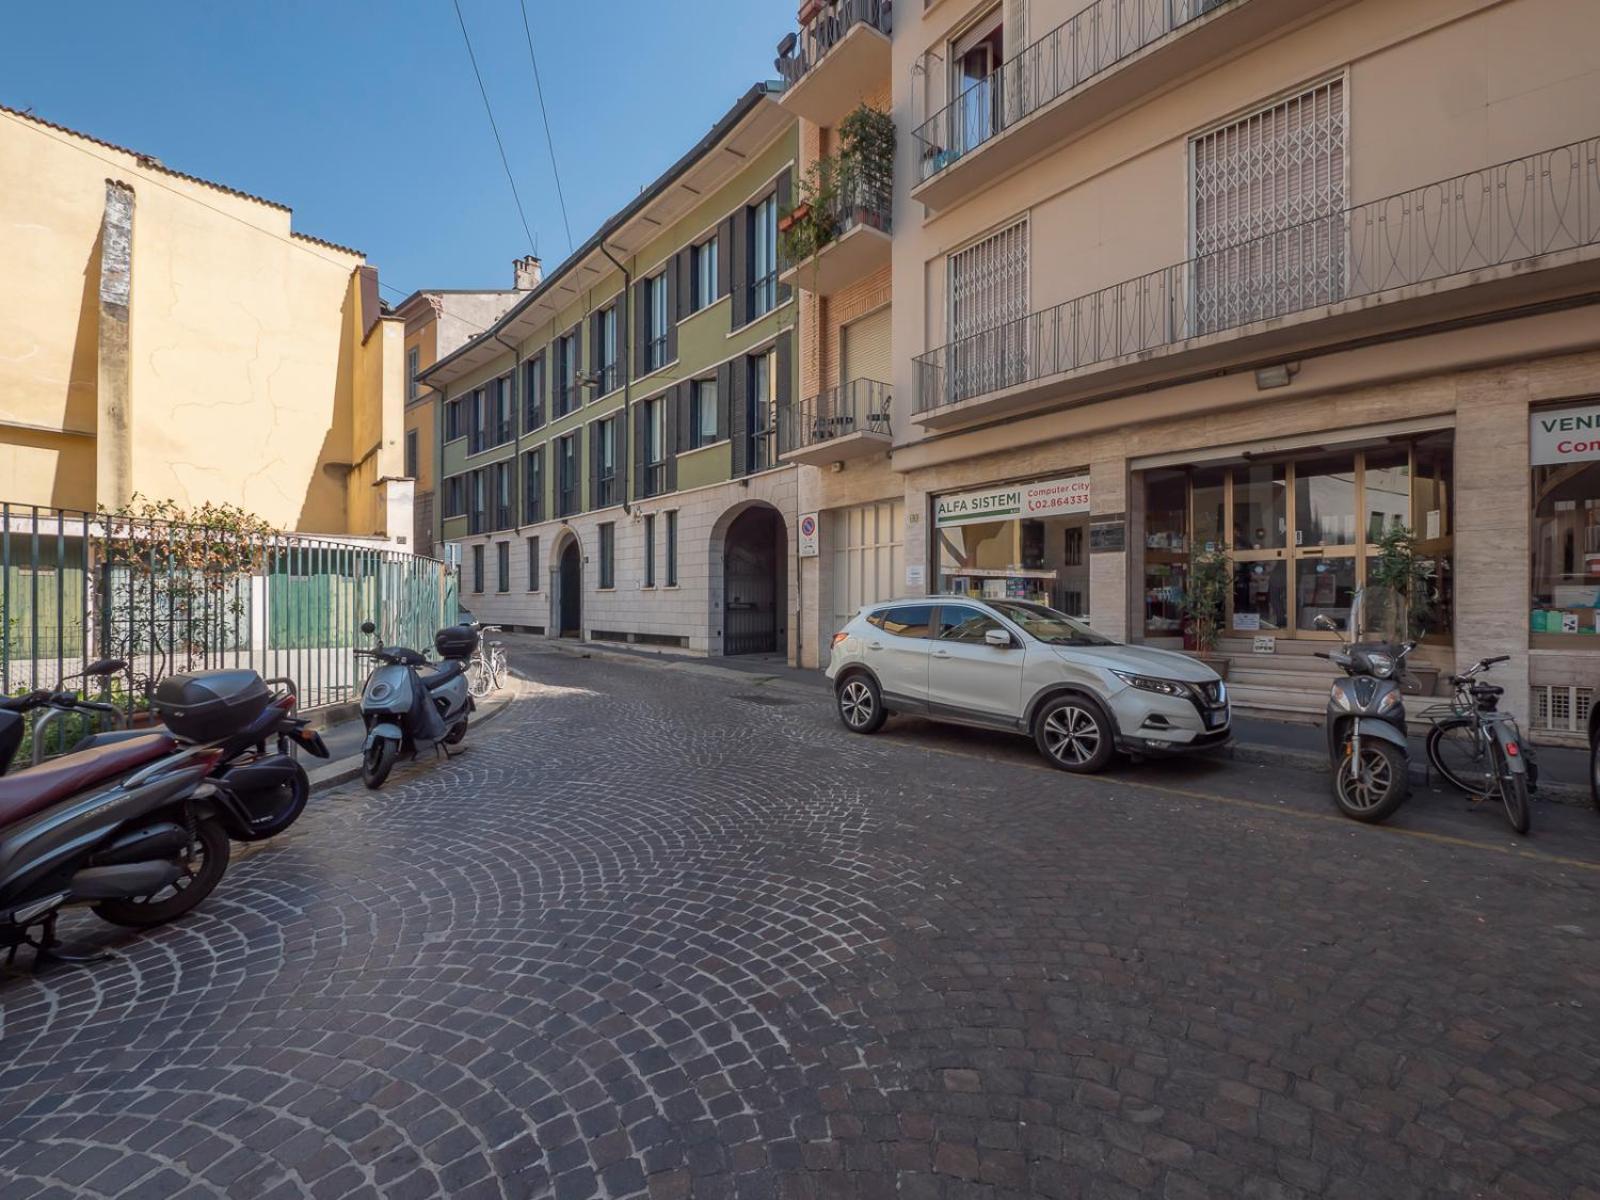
x,y
1432,523
1569,622
916,578
1242,621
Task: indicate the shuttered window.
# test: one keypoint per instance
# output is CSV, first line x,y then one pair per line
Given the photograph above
x,y
988,301
864,348
1268,191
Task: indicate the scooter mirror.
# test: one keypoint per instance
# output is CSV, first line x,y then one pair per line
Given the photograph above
x,y
1324,621
368,627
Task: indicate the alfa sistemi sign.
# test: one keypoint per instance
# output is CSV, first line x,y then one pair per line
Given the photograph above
x,y
1563,435
1042,498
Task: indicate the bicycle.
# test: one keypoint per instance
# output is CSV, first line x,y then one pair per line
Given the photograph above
x,y
486,669
1479,749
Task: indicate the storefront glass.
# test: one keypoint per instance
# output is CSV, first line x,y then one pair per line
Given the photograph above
x,y
1027,541
1566,524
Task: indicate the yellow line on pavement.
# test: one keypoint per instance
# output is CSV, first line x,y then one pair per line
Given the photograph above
x,y
1443,839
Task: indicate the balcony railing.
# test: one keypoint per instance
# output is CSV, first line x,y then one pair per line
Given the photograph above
x,y
1093,41
1542,204
858,204
799,52
860,406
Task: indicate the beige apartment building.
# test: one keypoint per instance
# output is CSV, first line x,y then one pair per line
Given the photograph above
x,y
1264,277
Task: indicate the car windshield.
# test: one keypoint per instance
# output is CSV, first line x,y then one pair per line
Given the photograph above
x,y
1049,626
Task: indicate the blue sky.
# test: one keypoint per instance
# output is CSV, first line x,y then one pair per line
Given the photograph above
x,y
364,116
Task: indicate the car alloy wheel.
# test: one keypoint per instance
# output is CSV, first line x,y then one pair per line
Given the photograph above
x,y
1072,735
856,704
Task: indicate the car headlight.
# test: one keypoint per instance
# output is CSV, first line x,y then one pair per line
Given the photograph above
x,y
1145,683
1381,665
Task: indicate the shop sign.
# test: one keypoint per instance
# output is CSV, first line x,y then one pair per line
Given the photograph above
x,y
1042,498
1108,537
808,535
1564,435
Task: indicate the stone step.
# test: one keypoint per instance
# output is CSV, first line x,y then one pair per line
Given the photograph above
x,y
1286,678
1299,705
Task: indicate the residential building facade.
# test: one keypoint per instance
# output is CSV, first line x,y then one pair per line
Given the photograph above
x,y
170,336
1259,278
608,457
437,322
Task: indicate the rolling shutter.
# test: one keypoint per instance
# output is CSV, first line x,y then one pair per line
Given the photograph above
x,y
864,350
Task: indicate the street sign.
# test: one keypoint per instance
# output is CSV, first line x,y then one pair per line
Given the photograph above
x,y
808,535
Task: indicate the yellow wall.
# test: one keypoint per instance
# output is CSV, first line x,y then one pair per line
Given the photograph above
x,y
421,414
250,380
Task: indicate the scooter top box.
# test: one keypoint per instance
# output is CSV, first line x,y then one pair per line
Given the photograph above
x,y
205,706
456,641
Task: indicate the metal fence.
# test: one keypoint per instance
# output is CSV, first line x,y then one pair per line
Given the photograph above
x,y
75,587
1094,40
1514,211
799,52
860,406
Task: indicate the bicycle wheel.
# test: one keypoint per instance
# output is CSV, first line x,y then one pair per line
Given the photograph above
x,y
1459,750
478,677
497,666
1514,795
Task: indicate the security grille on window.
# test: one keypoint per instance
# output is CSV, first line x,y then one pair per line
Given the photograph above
x,y
988,313
764,257
1268,194
703,418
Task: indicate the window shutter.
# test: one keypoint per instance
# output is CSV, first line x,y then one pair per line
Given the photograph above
x,y
725,233
677,401
738,417
785,202
681,433
594,344
739,277
639,420
594,465
641,322
669,279
725,375
685,283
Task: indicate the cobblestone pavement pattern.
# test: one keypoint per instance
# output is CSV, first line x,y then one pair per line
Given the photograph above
x,y
658,933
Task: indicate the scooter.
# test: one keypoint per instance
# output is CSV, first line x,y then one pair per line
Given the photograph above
x,y
407,700
1366,723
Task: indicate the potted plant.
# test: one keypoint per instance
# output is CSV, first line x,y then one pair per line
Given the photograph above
x,y
810,224
1400,596
866,163
1204,602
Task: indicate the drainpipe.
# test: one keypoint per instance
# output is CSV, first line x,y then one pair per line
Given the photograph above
x,y
624,328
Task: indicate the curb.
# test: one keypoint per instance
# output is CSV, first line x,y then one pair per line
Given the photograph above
x,y
349,768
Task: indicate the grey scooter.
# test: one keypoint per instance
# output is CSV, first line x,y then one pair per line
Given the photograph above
x,y
408,700
1366,724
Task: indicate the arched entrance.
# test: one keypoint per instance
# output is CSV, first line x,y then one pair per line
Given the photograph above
x,y
754,591
568,607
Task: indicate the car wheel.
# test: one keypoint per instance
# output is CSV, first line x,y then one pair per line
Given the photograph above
x,y
860,704
1074,734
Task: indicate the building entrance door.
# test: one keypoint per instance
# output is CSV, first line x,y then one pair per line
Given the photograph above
x,y
752,564
1326,534
570,602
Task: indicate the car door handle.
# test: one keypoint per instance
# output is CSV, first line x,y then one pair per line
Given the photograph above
x,y
941,654
874,645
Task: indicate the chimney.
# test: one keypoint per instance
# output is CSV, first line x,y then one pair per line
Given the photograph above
x,y
527,272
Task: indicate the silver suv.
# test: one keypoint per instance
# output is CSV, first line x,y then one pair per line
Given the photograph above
x,y
1024,668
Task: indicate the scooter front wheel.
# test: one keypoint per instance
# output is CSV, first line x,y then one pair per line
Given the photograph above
x,y
378,761
1371,786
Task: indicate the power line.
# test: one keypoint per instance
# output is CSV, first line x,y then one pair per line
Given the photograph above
x,y
548,140
504,161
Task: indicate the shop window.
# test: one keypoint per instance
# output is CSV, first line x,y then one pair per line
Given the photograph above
x,y
1566,525
1039,558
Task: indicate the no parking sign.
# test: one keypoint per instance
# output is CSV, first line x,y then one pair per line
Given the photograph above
x,y
808,535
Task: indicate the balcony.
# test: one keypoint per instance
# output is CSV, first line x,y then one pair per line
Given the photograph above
x,y
1110,55
1518,233
850,421
840,54
851,233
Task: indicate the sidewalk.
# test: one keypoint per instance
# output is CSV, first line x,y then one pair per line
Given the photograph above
x,y
1563,773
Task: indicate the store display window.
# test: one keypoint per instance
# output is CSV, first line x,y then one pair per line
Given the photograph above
x,y
1565,444
1026,541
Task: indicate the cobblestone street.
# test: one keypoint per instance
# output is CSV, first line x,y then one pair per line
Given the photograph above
x,y
669,932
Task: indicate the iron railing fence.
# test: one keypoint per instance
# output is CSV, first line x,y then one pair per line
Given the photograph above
x,y
799,52
860,406
857,203
1087,44
78,586
1515,211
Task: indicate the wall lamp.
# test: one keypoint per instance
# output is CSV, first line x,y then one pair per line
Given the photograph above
x,y
1276,376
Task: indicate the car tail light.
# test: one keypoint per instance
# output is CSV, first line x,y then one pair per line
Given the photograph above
x,y
839,637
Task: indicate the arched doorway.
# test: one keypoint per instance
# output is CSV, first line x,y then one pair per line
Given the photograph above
x,y
753,584
569,590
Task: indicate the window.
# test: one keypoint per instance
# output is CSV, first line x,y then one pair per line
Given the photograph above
x,y
455,496
533,393
502,566
477,503
413,365
703,412
650,550
608,555
411,453
989,296
763,394
910,621
502,494
453,425
672,548
764,257
533,486
477,568
703,261
568,501
655,297
606,351
606,490
1566,525
958,623
533,564
504,415
482,429
566,374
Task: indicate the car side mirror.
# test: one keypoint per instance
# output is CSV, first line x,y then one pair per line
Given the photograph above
x,y
368,627
1324,621
998,637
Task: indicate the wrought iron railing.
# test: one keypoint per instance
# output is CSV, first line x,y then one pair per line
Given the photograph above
x,y
860,406
1511,212
78,586
856,205
799,52
1092,41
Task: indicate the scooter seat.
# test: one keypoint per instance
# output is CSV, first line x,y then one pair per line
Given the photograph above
x,y
441,675
37,788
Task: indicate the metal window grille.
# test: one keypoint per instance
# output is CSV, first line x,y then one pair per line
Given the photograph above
x,y
988,299
1558,708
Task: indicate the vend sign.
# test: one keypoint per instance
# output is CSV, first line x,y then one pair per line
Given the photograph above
x,y
1043,498
1563,435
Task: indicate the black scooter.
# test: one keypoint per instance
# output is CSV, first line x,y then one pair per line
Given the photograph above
x,y
1366,724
